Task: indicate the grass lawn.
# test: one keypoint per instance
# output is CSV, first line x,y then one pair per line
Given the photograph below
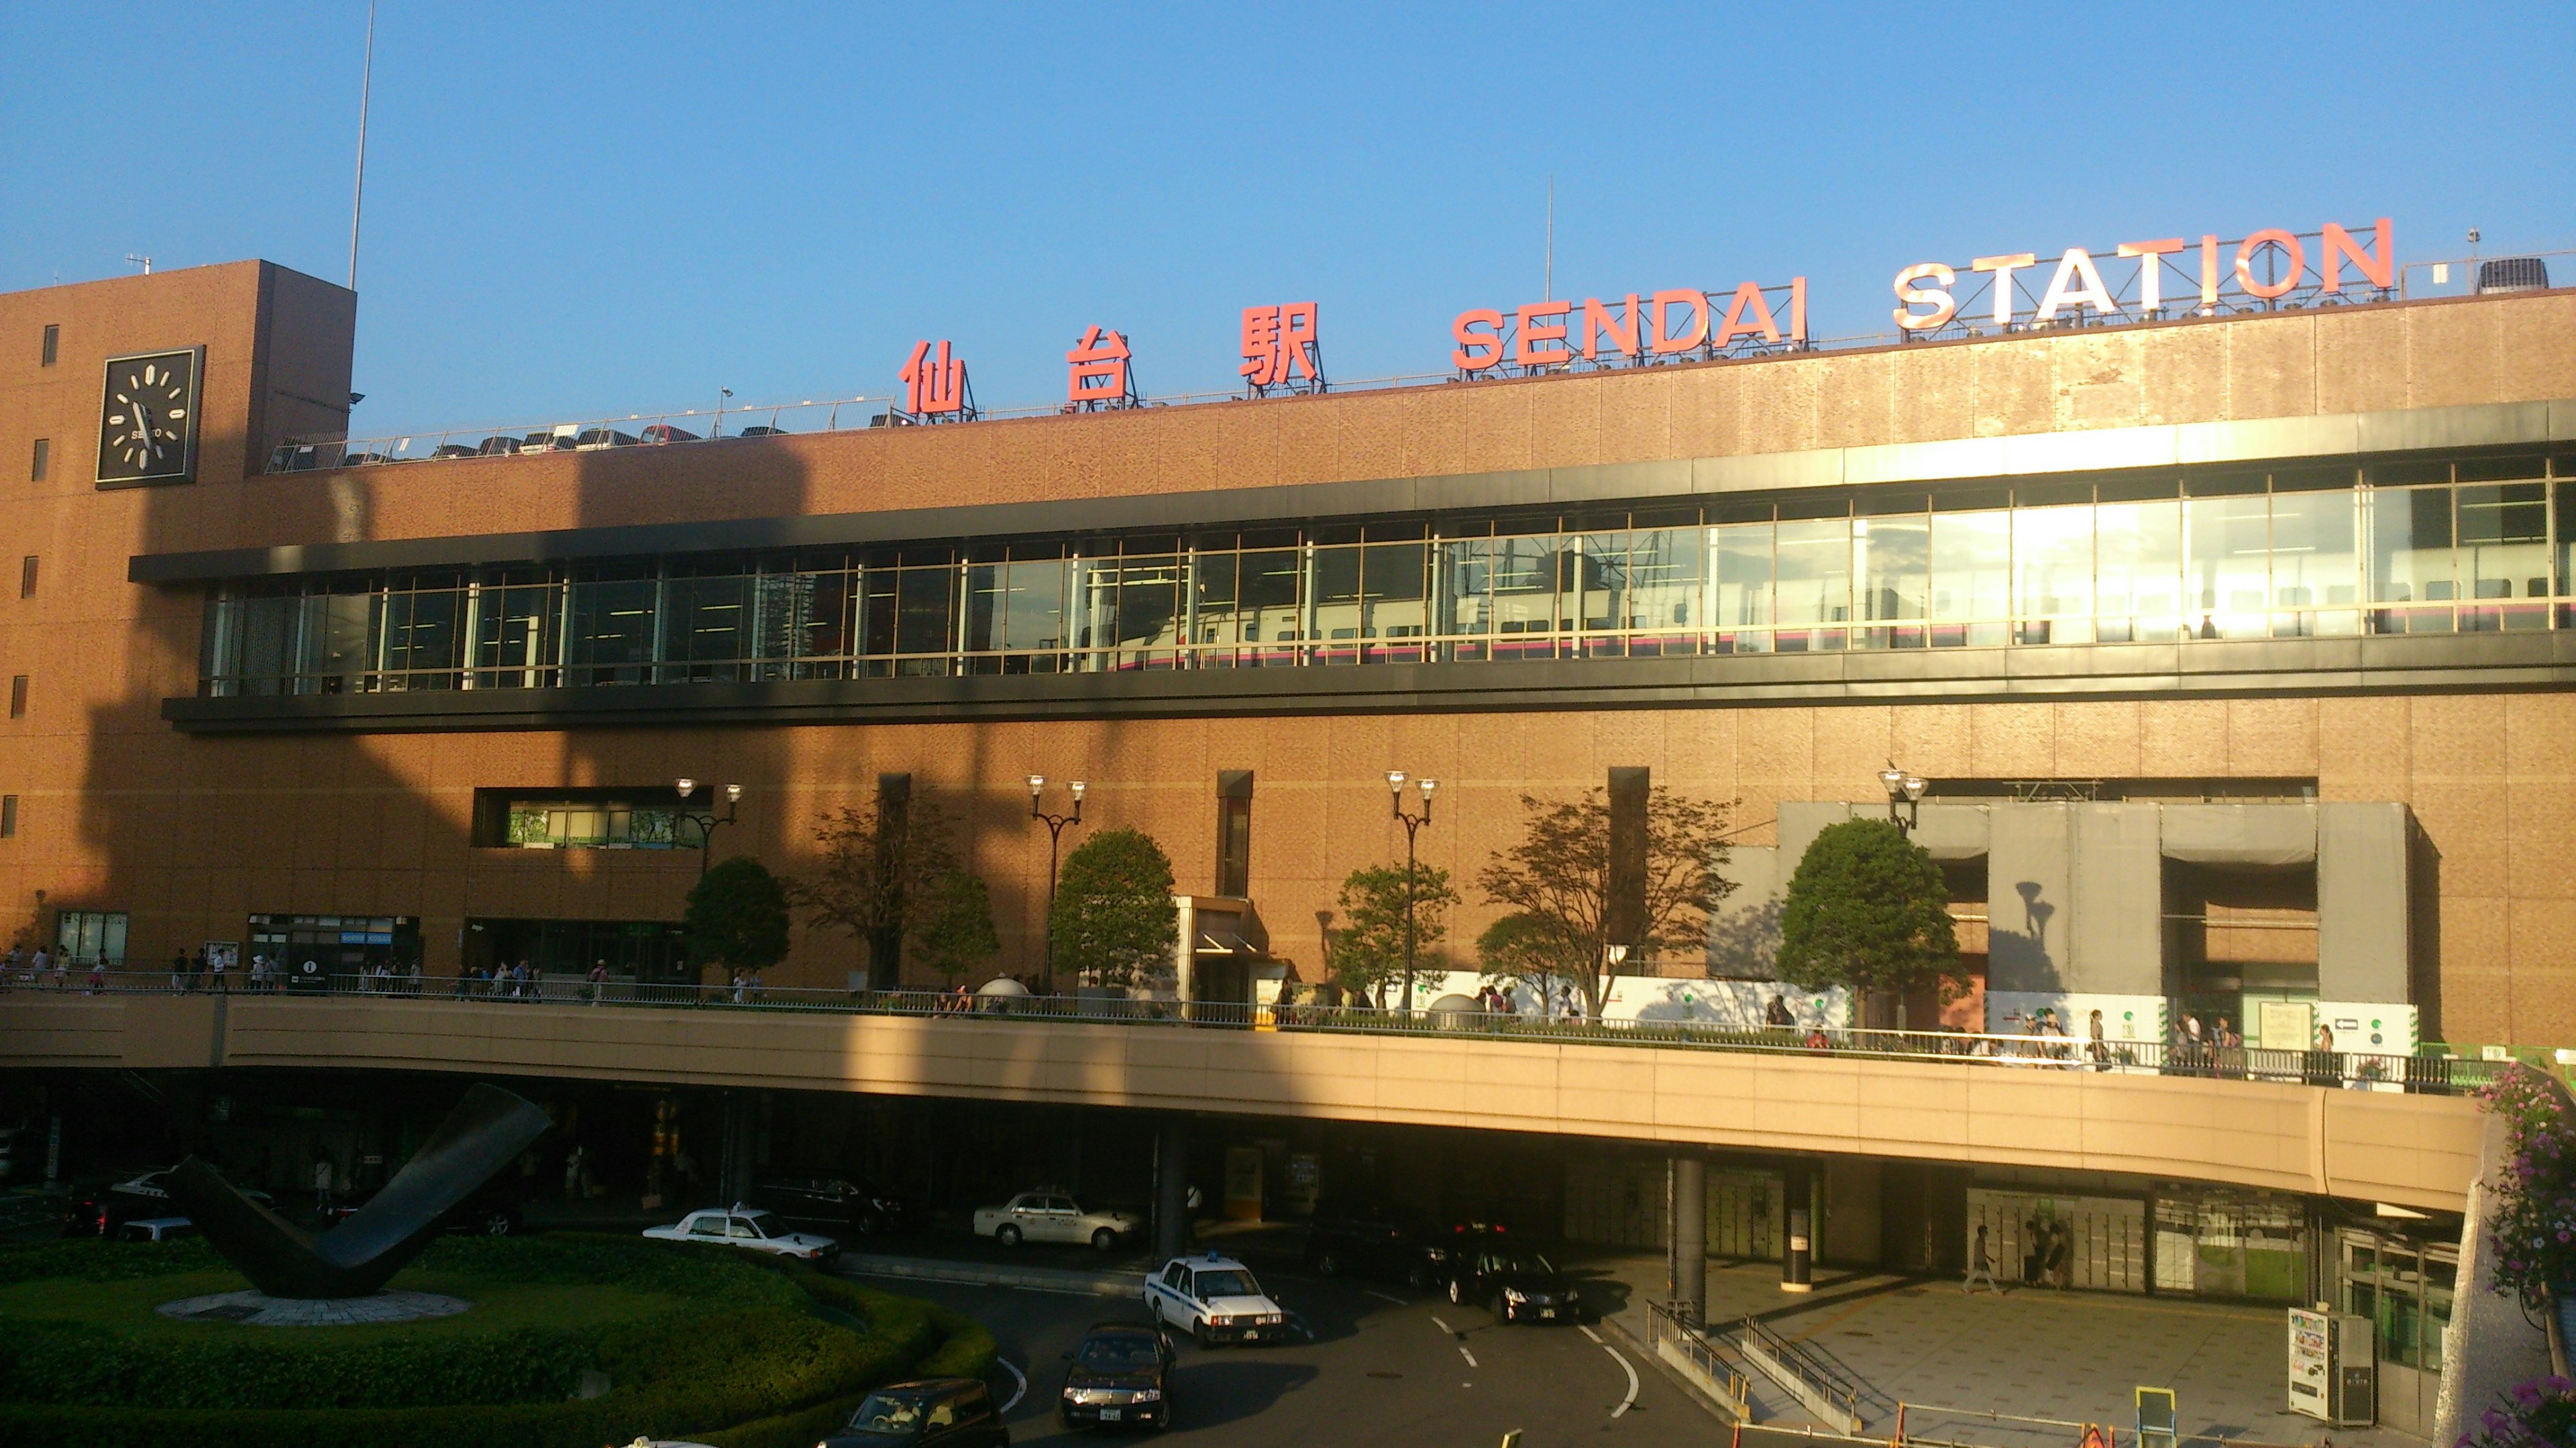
x,y
127,1307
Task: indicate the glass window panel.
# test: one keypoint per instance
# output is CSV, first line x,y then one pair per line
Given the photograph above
x,y
1602,581
1667,589
336,639
1525,580
2504,554
1466,588
270,627
1212,597
1972,577
2138,562
1393,584
706,628
2226,557
1743,575
2053,573
515,643
924,621
2410,559
2316,563
1893,557
1335,615
2563,506
612,629
1149,614
420,638
1266,610
1812,580
986,607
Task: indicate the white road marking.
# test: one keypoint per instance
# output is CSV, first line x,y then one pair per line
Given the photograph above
x,y
1444,1327
1019,1392
1470,1357
1385,1296
1588,1332
1629,1401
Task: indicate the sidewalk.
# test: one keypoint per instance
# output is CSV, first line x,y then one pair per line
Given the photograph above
x,y
2072,1356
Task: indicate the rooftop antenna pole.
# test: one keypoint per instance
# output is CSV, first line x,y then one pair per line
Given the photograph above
x,y
358,196
1551,239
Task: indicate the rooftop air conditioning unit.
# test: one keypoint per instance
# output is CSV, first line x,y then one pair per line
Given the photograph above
x,y
2513,274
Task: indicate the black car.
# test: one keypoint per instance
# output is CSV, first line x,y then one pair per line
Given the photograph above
x,y
1516,1284
487,1213
848,1208
1368,1247
1121,1374
931,1413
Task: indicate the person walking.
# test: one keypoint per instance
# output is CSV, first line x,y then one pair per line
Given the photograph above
x,y
322,1187
1981,1263
197,970
1777,1014
178,971
216,965
2098,1048
598,980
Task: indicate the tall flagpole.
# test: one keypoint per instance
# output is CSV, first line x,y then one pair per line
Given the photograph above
x,y
358,197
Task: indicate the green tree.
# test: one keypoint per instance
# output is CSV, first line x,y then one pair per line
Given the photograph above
x,y
1559,875
1114,919
886,866
1518,947
737,916
1367,949
1867,910
954,929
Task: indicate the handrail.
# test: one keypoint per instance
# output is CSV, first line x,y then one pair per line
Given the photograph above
x,y
1819,1377
1667,1329
2434,1075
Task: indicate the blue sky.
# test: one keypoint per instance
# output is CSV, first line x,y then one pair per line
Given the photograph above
x,y
584,211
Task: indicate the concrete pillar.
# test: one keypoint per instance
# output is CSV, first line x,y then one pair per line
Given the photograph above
x,y
1624,905
1689,1239
1798,1241
2364,922
1172,1188
2117,944
735,1151
2028,879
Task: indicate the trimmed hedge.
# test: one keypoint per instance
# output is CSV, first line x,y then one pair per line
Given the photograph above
x,y
757,1362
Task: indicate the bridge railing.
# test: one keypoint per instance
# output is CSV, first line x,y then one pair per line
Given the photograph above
x,y
2431,1074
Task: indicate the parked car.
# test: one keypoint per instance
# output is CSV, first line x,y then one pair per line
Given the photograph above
x,y
1215,1299
749,1228
665,432
1516,1284
762,432
598,437
1369,1247
547,441
500,447
453,450
488,1213
933,1413
1048,1215
156,1229
851,1206
1121,1373
154,1186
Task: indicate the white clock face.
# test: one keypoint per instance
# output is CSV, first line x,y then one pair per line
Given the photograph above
x,y
148,418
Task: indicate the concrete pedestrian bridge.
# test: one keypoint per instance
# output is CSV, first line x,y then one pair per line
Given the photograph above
x,y
2413,1150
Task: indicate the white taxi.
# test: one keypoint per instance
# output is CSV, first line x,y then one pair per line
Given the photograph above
x,y
1216,1299
749,1228
1049,1215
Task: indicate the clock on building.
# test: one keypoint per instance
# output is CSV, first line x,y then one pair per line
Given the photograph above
x,y
147,417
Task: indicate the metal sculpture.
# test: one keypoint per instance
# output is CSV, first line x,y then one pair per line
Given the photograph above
x,y
355,1258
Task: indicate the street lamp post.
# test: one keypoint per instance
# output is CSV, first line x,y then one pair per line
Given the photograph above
x,y
1904,794
708,823
1055,824
1413,824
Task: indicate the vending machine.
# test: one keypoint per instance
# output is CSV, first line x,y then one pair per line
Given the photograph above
x,y
2334,1368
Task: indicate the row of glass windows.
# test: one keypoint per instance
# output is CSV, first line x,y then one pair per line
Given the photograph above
x,y
2316,554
